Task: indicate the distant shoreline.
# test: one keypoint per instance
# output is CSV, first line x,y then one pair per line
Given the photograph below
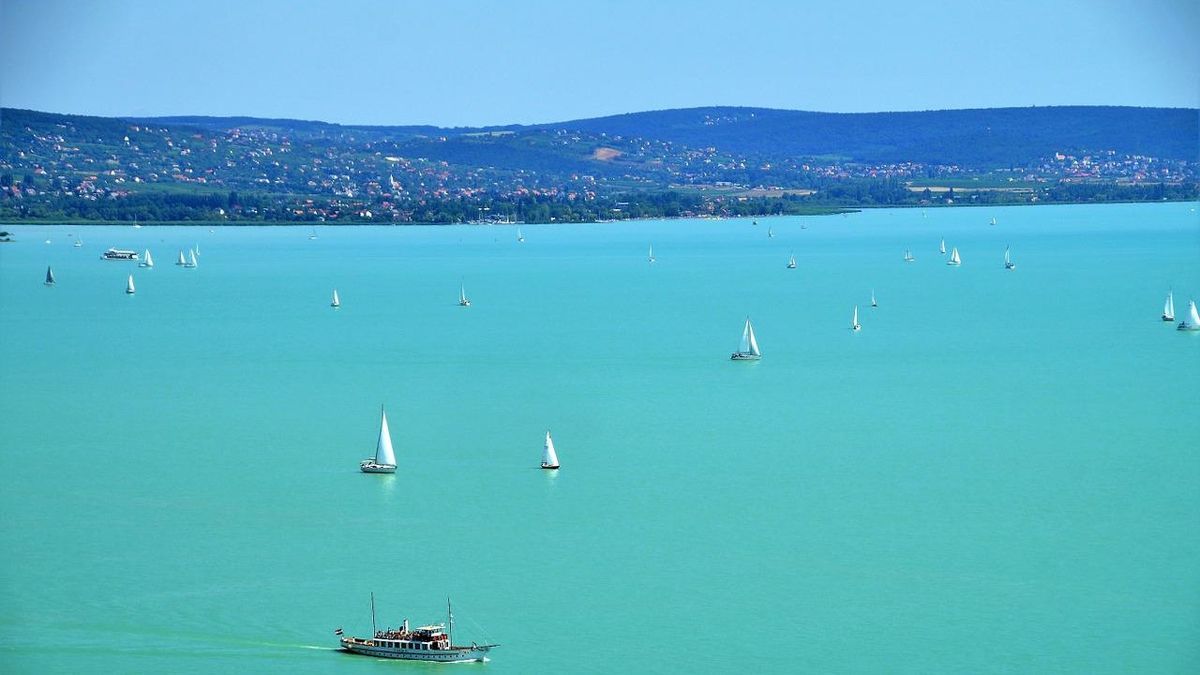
x,y
833,211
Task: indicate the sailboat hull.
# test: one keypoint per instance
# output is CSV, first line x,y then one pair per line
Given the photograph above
x,y
1168,318
1183,325
548,467
743,356
369,466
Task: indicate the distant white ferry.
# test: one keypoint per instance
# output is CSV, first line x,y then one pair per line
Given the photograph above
x,y
423,643
119,254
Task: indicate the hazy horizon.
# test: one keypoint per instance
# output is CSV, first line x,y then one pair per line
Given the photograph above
x,y
562,121
462,64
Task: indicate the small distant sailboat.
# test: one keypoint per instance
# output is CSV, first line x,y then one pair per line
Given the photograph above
x,y
196,249
182,262
384,460
748,348
313,234
908,256
1008,263
463,301
942,248
136,224
78,243
854,324
1168,306
770,232
651,257
954,259
792,262
191,259
993,221
49,276
873,302
129,289
520,236
549,456
1192,322
335,303
147,261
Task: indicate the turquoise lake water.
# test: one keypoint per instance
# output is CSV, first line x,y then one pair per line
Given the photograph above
x,y
999,473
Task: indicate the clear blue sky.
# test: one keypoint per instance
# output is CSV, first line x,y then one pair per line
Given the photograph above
x,y
456,63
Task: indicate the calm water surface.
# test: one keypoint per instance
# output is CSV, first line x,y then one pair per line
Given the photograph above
x,y
998,473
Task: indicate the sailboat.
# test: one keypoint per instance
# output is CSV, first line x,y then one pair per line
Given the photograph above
x,y
335,302
854,324
182,262
191,259
993,221
770,232
1008,263
748,348
549,456
78,243
313,234
49,276
1168,306
147,261
129,289
136,224
462,296
908,256
792,262
384,460
651,256
942,248
520,236
873,302
1192,321
954,259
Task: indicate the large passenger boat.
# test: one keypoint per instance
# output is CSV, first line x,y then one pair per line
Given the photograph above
x,y
119,254
423,643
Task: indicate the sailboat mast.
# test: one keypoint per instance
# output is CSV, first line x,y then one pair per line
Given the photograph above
x,y
449,623
373,631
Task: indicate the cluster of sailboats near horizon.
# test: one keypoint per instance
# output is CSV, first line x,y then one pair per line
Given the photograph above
x,y
384,460
146,261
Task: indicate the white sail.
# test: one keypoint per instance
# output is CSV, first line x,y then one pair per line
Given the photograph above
x,y
954,259
854,325
770,232
192,261
147,261
129,285
792,262
383,449
336,302
1007,257
873,303
520,236
942,248
1193,317
462,296
1169,307
651,253
749,344
182,260
549,456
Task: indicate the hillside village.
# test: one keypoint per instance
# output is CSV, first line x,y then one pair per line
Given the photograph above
x,y
86,168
